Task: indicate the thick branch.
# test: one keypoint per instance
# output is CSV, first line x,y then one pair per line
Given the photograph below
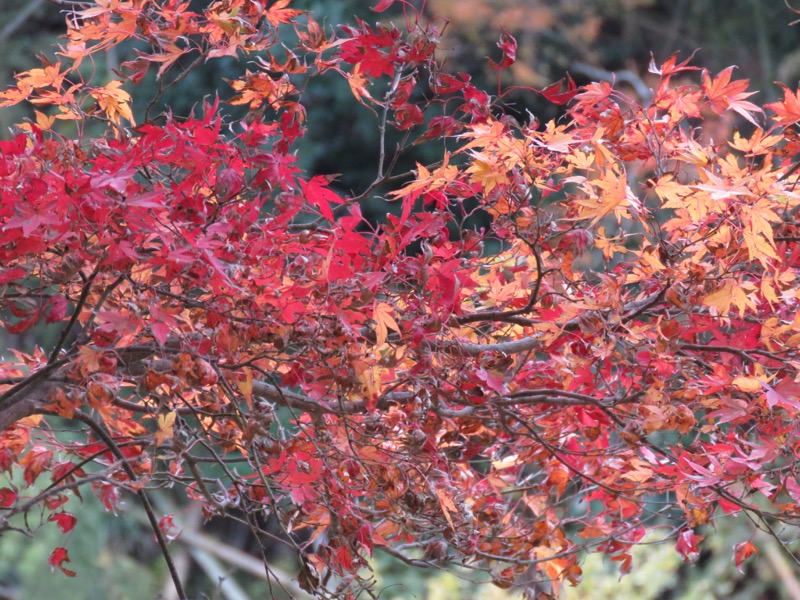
x,y
29,395
33,400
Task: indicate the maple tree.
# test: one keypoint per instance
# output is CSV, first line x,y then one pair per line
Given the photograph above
x,y
625,362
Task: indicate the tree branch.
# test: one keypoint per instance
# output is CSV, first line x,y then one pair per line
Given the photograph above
x,y
143,498
29,395
74,319
457,348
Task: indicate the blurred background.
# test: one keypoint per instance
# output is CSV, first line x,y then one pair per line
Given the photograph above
x,y
591,39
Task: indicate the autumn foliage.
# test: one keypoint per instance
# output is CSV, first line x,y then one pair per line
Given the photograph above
x,y
615,353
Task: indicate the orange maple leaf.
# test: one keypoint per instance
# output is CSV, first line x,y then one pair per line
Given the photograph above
x,y
50,76
731,293
358,85
383,322
725,94
278,13
114,101
787,112
166,428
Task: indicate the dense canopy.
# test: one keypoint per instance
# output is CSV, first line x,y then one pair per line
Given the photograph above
x,y
563,336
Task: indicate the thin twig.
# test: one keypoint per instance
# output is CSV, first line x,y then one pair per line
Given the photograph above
x,y
87,287
389,93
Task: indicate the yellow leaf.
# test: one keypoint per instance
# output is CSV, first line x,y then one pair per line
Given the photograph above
x,y
370,378
43,121
758,143
768,291
486,172
612,194
758,233
581,160
89,360
603,156
114,101
747,384
32,421
447,507
731,293
426,180
166,428
671,192
358,85
383,322
608,246
639,473
556,138
507,462
246,386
